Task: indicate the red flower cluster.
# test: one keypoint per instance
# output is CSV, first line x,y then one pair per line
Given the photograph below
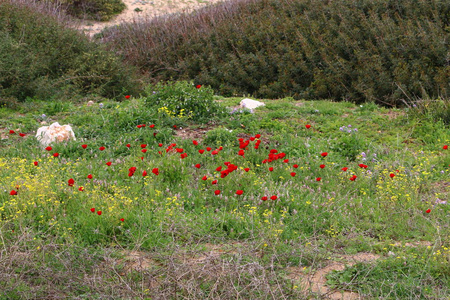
x,y
363,166
353,178
274,156
131,171
230,168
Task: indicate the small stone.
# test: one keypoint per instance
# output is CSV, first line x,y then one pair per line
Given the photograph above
x,y
250,104
90,103
54,133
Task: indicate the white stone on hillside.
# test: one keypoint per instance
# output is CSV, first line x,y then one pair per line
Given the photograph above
x,y
250,104
54,133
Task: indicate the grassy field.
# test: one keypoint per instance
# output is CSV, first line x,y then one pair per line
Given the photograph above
x,y
149,203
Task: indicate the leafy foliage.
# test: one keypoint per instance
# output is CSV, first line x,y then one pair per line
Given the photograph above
x,y
101,10
41,58
366,51
183,99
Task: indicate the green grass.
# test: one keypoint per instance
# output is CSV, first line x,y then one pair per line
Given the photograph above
x,y
202,245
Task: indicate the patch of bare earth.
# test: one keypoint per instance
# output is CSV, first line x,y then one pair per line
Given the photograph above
x,y
315,283
193,133
137,10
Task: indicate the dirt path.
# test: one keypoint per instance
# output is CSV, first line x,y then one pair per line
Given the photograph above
x,y
141,9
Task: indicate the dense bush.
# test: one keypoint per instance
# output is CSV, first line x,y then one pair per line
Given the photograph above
x,y
41,58
375,50
100,10
184,100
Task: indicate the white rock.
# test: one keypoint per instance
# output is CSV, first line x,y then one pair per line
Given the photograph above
x,y
250,104
54,133
90,103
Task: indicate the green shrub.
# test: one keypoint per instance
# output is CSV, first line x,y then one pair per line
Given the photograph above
x,y
100,10
220,137
39,57
366,50
431,110
184,100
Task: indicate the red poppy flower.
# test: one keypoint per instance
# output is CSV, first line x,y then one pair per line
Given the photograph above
x,y
195,142
152,126
295,166
208,148
22,134
239,192
139,126
49,148
71,182
241,152
143,145
198,86
293,174
144,150
155,171
324,154
344,169
274,197
246,169
428,211
219,168
99,212
286,160
142,158
445,147
84,146
12,132
214,181
273,151
217,192
108,163
257,136
252,138
179,150
160,145
183,155
122,220
35,163
204,178
174,126
201,151
101,148
127,97
363,166
322,166
92,209
154,134
198,166
144,173
215,152
353,178
318,178
308,126
56,154
271,169
13,193
392,175
89,176
81,188
264,198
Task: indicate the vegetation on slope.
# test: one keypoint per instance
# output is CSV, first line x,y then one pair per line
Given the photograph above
x,y
384,51
39,57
